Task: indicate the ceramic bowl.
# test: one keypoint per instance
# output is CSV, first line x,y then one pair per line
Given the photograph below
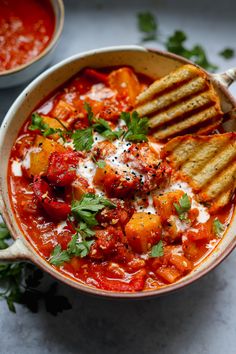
x,y
152,63
28,71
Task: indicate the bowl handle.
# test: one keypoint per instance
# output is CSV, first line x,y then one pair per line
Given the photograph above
x,y
226,78
16,252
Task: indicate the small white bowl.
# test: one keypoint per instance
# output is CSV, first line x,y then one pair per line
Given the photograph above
x,y
28,71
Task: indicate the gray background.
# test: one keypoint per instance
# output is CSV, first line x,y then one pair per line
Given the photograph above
x,y
198,319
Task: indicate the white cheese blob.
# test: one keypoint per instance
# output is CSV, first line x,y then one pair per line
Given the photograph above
x,y
16,168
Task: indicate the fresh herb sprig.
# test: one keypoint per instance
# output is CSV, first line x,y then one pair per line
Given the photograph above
x,y
183,206
176,42
21,283
147,25
85,211
218,227
137,127
37,123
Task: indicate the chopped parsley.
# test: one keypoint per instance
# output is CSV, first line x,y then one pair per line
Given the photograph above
x,y
58,256
37,123
88,206
147,25
157,250
137,127
183,206
227,53
83,139
79,249
218,227
102,127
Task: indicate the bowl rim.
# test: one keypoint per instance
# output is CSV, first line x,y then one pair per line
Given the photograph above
x,y
56,35
67,279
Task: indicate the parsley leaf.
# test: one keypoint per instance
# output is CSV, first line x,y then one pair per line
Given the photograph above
x,y
227,53
102,127
87,207
83,139
147,24
80,249
137,127
58,257
183,206
88,109
37,123
176,44
101,163
4,235
157,250
20,283
218,227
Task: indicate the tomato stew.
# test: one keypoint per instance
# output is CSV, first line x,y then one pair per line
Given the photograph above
x,y
26,28
95,197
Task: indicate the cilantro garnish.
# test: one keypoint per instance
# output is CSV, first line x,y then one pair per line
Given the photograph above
x,y
137,127
20,284
88,206
227,53
218,227
101,163
157,250
183,206
147,25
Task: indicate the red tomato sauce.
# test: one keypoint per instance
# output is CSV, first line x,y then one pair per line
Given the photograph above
x,y
26,28
42,186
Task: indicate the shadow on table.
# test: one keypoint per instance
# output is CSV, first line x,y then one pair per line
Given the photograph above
x,y
163,324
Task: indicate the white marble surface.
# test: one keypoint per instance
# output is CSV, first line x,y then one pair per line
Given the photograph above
x,y
198,319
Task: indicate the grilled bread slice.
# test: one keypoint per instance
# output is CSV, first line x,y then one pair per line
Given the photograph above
x,y
208,163
183,101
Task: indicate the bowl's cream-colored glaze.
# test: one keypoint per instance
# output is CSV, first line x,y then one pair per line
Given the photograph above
x,y
152,63
29,70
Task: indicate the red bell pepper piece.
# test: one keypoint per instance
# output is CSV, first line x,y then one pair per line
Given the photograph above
x,y
56,209
62,168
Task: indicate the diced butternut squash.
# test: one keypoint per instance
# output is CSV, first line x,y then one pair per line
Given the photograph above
x,y
164,204
143,231
125,82
101,173
168,274
63,110
39,159
181,263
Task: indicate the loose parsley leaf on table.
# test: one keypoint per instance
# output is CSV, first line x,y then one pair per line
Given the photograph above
x,y
218,227
147,25
157,250
176,44
183,206
20,284
137,127
227,53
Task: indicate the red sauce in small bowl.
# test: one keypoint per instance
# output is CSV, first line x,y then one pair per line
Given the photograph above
x,y
26,28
